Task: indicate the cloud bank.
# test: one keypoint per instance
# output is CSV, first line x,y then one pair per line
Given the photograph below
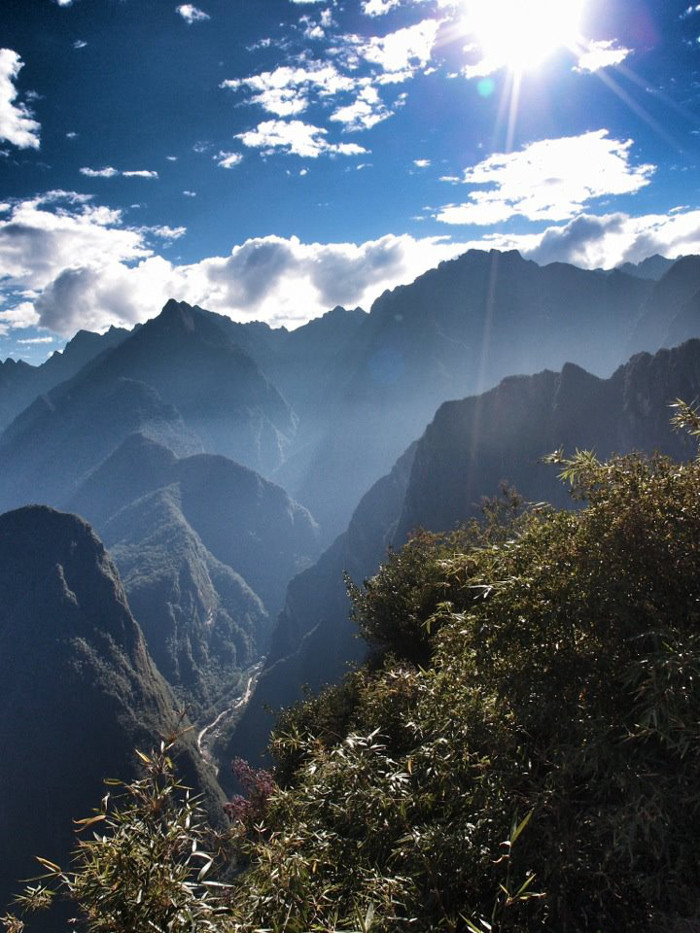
x,y
67,263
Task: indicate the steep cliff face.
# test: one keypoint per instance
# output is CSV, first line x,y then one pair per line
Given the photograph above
x,y
205,548
473,444
79,688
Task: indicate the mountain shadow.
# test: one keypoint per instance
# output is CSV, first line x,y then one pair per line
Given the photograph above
x,y
80,690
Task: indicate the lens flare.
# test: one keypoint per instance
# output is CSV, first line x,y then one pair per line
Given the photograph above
x,y
520,34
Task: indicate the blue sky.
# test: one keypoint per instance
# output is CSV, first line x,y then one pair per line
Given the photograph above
x,y
269,159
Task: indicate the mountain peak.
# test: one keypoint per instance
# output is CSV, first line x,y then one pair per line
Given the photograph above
x,y
178,312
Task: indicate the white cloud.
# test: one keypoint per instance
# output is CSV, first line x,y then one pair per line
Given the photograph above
x,y
191,14
421,163
285,91
107,172
228,159
44,235
67,264
190,194
378,7
552,179
297,138
366,111
359,67
36,340
402,53
80,44
141,173
164,232
601,54
17,123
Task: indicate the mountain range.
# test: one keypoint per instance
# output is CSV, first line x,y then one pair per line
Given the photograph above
x,y
235,472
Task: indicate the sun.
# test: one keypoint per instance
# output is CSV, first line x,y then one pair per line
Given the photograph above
x,y
520,34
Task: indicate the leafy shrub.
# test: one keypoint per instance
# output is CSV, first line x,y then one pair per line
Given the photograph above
x,y
546,673
146,867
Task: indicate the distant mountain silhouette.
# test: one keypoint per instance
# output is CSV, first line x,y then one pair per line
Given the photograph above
x,y
51,448
653,267
667,307
20,383
80,691
469,448
186,355
456,330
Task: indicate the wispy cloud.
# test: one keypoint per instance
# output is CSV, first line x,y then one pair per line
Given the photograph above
x,y
192,14
80,44
228,159
17,123
107,172
111,172
552,179
297,138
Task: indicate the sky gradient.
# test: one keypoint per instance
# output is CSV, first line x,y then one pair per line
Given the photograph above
x,y
269,159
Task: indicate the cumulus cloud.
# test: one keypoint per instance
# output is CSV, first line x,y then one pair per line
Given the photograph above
x,y
402,53
285,91
601,54
17,123
378,7
43,235
365,112
191,14
355,68
552,179
67,263
604,241
297,138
